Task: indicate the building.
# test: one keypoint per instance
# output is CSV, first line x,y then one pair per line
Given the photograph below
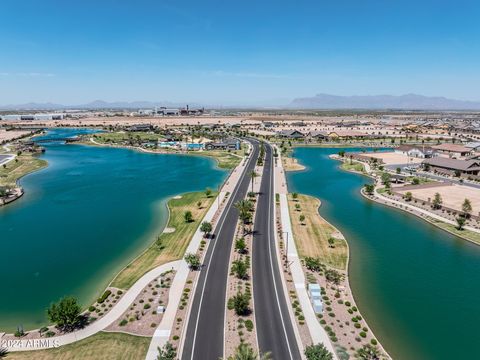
x,y
227,144
453,150
318,135
450,166
423,152
32,117
291,134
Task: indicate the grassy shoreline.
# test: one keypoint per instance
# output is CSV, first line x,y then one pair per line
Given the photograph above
x,y
173,244
22,166
316,228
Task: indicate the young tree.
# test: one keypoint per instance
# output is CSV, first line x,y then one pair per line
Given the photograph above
x,y
408,196
295,196
168,352
199,204
318,352
240,269
187,215
341,153
386,178
333,276
241,303
253,175
65,314
460,222
437,201
193,261
240,245
467,207
297,207
369,188
331,242
302,219
312,264
206,228
208,192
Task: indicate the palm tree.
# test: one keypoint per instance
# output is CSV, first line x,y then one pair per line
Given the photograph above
x,y
244,208
3,353
253,175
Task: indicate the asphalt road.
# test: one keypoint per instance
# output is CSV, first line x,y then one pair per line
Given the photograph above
x,y
275,331
204,338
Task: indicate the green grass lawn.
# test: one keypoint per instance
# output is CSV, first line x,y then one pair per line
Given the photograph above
x,y
354,166
311,236
117,137
466,234
21,166
105,346
174,244
225,160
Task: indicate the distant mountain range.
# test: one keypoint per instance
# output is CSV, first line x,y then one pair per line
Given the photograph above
x,y
320,102
403,102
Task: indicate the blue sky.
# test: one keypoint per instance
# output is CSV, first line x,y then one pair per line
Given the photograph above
x,y
236,52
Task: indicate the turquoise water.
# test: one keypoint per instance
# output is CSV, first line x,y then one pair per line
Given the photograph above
x,y
417,286
82,219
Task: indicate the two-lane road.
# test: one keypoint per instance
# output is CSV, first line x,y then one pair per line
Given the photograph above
x,y
275,331
204,338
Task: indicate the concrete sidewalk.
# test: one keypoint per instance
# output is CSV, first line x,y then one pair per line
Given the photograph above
x,y
317,332
162,334
100,324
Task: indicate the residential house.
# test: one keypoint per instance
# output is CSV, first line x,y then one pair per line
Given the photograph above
x,y
423,152
453,150
291,134
453,166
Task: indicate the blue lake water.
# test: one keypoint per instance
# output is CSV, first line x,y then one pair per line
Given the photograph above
x,y
417,285
82,219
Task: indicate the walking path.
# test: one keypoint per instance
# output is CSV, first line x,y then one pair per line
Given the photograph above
x,y
419,211
317,332
100,324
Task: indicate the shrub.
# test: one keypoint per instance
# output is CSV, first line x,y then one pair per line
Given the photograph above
x,y
374,342
363,334
357,325
92,308
50,334
249,325
147,306
104,297
123,322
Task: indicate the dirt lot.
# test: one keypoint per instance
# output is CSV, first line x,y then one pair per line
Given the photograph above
x,y
391,158
9,135
452,196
